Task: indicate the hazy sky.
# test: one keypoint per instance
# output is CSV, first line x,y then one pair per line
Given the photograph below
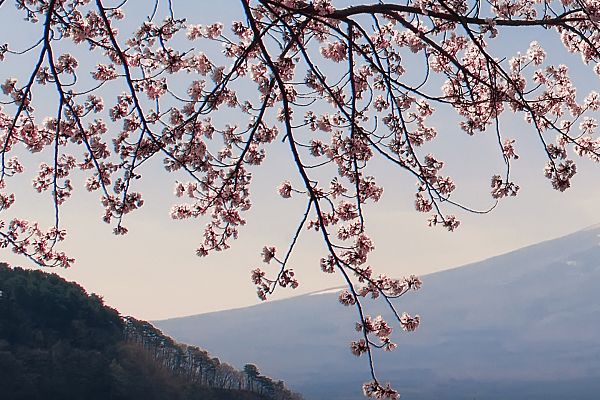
x,y
153,272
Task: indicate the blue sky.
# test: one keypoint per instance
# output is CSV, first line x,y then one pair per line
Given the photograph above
x,y
153,271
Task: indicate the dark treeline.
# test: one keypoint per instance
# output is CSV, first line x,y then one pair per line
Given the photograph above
x,y
58,342
198,367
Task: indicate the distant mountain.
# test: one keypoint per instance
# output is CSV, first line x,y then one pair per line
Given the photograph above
x,y
523,325
58,342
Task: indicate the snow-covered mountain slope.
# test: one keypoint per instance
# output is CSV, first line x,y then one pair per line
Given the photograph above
x,y
523,325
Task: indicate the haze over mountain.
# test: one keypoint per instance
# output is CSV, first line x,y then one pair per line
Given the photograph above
x,y
523,325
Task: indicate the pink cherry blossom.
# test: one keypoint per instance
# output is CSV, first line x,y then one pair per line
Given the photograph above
x,y
333,87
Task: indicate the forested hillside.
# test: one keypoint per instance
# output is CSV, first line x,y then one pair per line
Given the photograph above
x,y
58,342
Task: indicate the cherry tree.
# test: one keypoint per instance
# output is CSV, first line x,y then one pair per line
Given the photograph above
x,y
331,81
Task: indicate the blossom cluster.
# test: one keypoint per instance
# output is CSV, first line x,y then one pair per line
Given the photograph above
x,y
210,100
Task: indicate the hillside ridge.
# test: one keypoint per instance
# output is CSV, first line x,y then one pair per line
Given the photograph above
x,y
59,342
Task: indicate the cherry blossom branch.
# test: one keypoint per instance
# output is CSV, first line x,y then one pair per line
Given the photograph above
x,y
335,83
